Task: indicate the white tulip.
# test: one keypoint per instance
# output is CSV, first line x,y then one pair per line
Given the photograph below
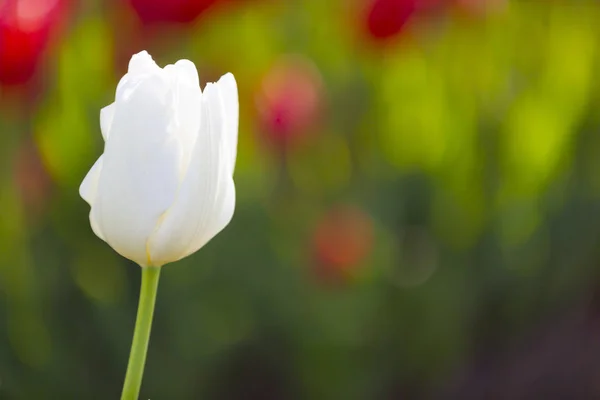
x,y
164,185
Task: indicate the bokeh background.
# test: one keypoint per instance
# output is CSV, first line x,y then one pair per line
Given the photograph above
x,y
418,202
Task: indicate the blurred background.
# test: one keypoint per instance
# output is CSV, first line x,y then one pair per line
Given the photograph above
x,y
418,202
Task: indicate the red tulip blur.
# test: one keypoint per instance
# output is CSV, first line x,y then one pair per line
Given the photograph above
x,y
26,27
343,238
289,104
174,11
385,19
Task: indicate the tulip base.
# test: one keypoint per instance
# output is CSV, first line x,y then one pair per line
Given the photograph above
x,y
141,335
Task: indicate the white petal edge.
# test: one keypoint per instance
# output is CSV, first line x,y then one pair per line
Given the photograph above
x,y
187,98
95,227
220,218
141,66
189,71
89,190
89,187
228,93
106,118
142,63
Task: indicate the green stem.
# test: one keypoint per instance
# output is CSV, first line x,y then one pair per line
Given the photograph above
x,y
141,334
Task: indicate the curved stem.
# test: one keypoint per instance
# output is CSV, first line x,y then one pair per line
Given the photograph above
x,y
141,335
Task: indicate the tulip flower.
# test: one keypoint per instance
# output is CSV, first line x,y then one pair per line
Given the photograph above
x,y
164,185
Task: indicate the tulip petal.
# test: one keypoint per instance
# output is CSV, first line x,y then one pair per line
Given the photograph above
x,y
204,203
189,71
142,63
141,66
89,190
140,173
89,187
229,97
186,105
224,197
106,118
220,218
94,224
95,227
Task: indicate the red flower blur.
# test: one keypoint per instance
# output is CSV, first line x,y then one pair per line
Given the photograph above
x,y
343,238
25,30
289,104
174,11
386,19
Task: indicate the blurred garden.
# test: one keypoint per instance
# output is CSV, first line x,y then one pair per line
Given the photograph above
x,y
418,202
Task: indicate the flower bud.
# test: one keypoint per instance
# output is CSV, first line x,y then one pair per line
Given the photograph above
x,y
164,185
